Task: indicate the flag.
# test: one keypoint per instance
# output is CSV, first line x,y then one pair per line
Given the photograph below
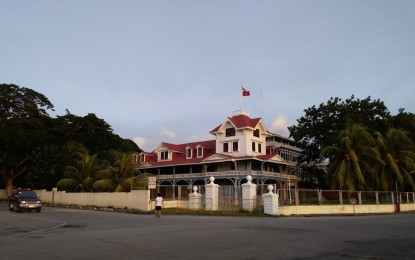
x,y
245,92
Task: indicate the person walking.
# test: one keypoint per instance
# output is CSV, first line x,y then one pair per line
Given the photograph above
x,y
158,203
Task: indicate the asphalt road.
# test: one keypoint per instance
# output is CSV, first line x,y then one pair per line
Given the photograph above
x,y
60,233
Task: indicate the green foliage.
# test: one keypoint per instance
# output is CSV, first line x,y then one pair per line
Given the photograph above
x,y
351,158
397,151
68,185
27,133
46,169
103,186
320,126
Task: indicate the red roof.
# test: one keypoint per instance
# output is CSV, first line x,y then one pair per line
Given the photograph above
x,y
241,121
179,153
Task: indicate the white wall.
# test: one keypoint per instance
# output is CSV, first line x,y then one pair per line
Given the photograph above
x,y
136,199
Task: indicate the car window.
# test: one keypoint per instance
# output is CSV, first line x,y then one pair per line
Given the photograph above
x,y
27,194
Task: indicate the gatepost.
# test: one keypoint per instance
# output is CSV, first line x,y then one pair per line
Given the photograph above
x,y
248,194
212,191
270,202
195,199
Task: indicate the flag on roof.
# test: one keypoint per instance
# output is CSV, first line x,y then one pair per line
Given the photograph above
x,y
245,92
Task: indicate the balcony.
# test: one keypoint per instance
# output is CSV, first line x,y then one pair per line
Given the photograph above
x,y
226,174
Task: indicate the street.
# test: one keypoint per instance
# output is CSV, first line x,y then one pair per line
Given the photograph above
x,y
64,233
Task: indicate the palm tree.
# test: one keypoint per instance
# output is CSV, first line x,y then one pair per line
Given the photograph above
x,y
72,153
397,151
351,158
121,173
84,171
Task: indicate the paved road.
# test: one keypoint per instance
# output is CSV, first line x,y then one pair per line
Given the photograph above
x,y
59,233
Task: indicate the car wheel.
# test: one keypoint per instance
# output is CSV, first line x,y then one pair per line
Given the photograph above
x,y
38,209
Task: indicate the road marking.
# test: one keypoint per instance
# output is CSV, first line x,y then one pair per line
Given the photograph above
x,y
39,230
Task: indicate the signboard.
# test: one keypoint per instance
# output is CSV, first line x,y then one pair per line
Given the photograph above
x,y
152,182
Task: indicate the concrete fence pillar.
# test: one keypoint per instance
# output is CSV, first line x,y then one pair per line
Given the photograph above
x,y
270,202
195,199
212,195
248,194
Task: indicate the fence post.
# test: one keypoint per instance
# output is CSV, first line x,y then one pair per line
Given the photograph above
x,y
319,197
297,199
341,197
359,194
393,198
377,197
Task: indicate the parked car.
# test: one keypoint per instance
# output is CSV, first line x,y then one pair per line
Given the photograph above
x,y
24,199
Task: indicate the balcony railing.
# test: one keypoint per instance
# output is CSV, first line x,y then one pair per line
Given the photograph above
x,y
226,174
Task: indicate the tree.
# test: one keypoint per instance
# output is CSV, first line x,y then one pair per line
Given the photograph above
x,y
17,102
23,128
350,159
84,172
397,151
120,173
405,121
320,126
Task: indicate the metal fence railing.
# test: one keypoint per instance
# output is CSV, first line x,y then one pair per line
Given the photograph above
x,y
230,199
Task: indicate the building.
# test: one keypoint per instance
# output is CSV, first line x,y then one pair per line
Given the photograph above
x,y
241,146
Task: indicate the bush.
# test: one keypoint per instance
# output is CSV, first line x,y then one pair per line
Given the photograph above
x,y
102,186
68,185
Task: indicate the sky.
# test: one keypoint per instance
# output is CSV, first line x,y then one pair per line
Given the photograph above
x,y
172,70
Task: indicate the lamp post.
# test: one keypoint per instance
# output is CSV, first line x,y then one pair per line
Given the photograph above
x,y
289,178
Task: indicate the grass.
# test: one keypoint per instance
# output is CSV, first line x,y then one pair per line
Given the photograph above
x,y
241,212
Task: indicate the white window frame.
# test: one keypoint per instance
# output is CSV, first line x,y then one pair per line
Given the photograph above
x,y
187,153
199,148
167,157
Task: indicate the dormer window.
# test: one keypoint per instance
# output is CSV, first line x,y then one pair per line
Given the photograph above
x,y
164,155
199,152
230,132
142,158
188,153
256,132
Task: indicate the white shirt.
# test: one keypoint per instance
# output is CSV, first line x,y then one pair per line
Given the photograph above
x,y
159,200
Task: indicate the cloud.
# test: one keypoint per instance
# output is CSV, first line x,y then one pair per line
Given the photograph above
x,y
279,126
143,143
164,132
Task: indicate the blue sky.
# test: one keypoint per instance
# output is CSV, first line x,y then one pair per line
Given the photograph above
x,y
172,70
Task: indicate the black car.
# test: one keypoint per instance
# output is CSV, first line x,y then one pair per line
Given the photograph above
x,y
24,199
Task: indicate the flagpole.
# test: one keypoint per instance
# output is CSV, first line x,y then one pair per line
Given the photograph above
x,y
240,94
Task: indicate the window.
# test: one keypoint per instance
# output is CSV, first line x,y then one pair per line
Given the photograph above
x,y
259,148
135,158
164,155
225,147
235,147
230,132
142,158
199,152
188,153
256,133
253,146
